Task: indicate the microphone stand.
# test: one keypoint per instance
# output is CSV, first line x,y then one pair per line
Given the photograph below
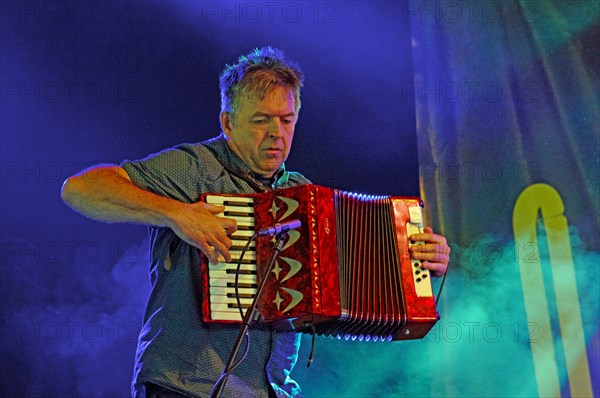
x,y
282,239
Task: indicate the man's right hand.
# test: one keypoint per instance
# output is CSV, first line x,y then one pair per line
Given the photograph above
x,y
198,225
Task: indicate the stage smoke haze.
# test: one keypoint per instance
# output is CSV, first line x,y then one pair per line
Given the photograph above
x,y
483,330
70,325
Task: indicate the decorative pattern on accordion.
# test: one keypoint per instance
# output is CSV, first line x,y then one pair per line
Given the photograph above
x,y
301,284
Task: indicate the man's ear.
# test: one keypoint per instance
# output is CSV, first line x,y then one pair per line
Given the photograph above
x,y
226,125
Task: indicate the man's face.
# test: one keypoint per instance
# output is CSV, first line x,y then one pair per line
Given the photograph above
x,y
263,130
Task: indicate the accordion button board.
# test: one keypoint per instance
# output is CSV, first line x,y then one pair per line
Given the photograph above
x,y
421,275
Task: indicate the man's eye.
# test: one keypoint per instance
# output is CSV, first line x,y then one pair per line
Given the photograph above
x,y
259,121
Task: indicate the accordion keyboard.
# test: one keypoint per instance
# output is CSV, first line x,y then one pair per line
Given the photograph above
x,y
221,276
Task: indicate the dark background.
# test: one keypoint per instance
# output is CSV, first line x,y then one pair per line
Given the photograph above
x,y
88,82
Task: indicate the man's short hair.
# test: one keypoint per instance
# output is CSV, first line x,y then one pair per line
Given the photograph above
x,y
255,74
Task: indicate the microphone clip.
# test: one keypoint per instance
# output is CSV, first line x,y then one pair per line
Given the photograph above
x,y
279,228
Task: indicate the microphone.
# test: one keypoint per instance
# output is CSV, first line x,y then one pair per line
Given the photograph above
x,y
279,228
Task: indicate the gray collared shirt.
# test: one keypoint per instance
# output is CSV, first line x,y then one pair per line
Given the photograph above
x,y
175,348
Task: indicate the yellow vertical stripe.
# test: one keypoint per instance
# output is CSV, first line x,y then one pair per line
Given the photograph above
x,y
525,214
544,198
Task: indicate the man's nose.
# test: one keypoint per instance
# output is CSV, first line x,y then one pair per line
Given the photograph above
x,y
276,127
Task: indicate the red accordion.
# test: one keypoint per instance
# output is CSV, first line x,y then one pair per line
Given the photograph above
x,y
347,270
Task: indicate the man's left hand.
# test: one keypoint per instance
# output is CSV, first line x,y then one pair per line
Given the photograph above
x,y
434,252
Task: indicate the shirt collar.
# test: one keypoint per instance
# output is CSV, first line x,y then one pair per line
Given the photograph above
x,y
231,158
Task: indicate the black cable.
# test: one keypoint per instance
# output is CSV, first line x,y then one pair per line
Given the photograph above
x,y
313,332
440,289
246,351
237,274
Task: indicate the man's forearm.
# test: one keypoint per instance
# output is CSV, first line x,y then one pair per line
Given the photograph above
x,y
106,193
